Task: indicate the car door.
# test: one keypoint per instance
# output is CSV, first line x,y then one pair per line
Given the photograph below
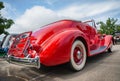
x,y
94,40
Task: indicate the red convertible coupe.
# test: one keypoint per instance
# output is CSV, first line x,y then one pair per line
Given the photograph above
x,y
65,41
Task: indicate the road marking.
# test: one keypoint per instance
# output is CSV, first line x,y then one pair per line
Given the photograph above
x,y
8,72
43,75
34,72
21,78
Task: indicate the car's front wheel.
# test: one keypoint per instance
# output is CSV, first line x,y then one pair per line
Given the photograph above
x,y
78,56
111,47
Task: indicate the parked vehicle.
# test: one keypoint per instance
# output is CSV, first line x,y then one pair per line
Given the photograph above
x,y
6,43
65,41
117,37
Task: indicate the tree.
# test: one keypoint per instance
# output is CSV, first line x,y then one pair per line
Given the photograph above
x,y
110,27
4,22
118,28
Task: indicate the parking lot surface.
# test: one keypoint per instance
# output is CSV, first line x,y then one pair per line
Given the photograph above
x,y
102,67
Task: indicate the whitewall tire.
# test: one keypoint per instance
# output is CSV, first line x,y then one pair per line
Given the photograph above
x,y
111,47
78,56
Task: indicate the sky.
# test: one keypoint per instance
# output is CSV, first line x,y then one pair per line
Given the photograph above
x,y
32,14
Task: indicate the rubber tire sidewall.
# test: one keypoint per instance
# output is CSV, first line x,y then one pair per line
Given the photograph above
x,y
74,66
111,47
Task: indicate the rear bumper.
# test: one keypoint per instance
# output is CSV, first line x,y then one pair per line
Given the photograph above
x,y
26,61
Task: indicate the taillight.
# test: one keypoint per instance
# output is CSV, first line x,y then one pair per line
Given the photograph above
x,y
37,48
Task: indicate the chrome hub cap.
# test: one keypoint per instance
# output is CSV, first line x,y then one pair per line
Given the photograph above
x,y
78,55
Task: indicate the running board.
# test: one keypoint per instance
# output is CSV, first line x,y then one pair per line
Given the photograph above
x,y
99,50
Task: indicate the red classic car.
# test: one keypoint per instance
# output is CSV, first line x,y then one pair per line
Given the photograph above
x,y
65,41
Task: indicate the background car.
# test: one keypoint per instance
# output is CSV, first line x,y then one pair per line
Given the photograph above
x,y
65,41
6,43
117,37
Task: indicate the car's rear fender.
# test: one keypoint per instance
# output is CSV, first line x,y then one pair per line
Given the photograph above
x,y
57,49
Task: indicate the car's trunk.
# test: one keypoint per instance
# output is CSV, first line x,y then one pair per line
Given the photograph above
x,y
20,45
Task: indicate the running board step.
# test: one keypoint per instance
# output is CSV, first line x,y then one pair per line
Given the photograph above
x,y
99,50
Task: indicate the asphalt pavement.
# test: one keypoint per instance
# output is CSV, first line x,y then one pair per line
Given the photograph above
x,y
102,67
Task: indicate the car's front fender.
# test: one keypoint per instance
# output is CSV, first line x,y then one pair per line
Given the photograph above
x,y
108,39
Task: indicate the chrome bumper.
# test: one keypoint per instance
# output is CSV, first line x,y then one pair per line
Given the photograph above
x,y
26,61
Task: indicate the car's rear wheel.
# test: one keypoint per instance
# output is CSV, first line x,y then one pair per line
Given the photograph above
x,y
78,56
111,47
